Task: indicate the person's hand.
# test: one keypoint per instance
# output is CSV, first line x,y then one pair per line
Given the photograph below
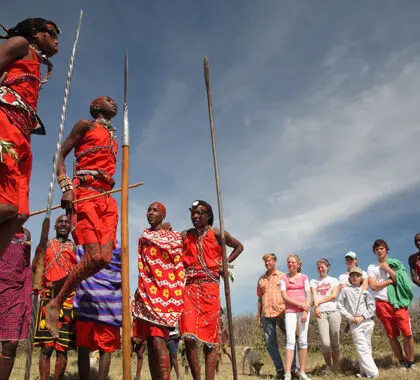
x,y
67,201
305,307
318,312
260,322
341,287
166,226
304,316
358,319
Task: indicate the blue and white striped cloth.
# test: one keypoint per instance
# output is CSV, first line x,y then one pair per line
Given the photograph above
x,y
99,298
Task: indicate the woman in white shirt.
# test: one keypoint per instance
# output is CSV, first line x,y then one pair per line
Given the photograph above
x,y
325,291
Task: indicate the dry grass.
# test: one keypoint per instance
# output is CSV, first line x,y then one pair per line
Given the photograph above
x,y
349,368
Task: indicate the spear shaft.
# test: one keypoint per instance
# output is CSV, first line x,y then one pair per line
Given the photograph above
x,y
222,228
125,270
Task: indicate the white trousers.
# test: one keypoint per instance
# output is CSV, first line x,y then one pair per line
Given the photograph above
x,y
291,320
362,334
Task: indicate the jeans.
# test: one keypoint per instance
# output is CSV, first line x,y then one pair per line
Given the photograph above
x,y
270,335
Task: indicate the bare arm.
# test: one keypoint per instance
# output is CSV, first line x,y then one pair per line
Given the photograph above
x,y
411,263
13,49
76,135
259,311
39,258
230,242
331,297
378,285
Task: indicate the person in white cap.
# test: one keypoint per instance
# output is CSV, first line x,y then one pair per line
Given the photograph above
x,y
351,261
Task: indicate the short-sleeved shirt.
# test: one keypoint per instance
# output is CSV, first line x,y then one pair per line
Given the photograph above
x,y
295,288
344,278
414,263
374,270
324,287
268,289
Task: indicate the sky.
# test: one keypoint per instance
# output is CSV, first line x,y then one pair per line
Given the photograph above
x,y
315,109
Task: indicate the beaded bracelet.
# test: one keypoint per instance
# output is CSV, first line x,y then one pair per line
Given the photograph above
x,y
64,183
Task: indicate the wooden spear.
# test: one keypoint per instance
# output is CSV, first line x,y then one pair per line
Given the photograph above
x,y
125,268
222,229
89,198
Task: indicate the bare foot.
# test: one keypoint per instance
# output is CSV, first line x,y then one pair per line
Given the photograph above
x,y
52,313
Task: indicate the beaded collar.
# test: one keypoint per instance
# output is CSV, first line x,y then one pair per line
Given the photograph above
x,y
44,60
107,124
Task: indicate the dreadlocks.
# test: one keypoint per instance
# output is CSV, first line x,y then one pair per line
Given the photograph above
x,y
27,28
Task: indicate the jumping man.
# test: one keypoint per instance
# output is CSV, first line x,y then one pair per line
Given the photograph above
x,y
95,150
29,44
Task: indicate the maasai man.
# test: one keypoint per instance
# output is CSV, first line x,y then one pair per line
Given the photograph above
x,y
202,256
60,260
158,301
15,298
98,309
29,44
95,149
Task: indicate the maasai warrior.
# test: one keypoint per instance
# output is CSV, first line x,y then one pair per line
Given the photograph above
x,y
158,302
99,315
95,149
60,260
414,261
15,298
29,44
202,256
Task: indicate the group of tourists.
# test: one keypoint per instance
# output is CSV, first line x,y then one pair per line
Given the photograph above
x,y
80,280
286,299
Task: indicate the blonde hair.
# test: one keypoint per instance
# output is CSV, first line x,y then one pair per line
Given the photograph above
x,y
298,260
268,255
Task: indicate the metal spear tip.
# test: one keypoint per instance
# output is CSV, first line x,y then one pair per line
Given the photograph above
x,y
206,61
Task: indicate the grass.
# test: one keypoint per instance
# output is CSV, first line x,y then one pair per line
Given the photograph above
x,y
349,368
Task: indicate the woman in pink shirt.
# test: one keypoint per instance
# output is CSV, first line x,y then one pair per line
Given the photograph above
x,y
296,293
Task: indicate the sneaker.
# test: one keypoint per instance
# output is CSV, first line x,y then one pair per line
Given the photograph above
x,y
360,375
413,367
288,376
304,376
279,375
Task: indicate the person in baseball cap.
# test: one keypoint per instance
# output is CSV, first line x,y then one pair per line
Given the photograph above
x,y
351,261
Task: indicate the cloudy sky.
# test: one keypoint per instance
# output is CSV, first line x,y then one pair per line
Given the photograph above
x,y
316,115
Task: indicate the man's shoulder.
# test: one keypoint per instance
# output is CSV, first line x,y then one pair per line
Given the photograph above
x,y
279,273
413,258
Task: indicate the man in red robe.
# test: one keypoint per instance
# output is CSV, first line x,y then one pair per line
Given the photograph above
x,y
95,150
202,256
28,45
60,259
158,302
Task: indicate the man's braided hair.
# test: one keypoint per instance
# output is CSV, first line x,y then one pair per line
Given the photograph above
x,y
28,27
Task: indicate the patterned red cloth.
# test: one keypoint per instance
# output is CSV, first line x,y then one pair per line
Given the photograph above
x,y
201,316
60,259
159,298
16,289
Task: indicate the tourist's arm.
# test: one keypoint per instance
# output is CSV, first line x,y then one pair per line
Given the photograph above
x,y
13,49
316,302
230,242
341,305
259,311
378,285
331,297
76,135
390,271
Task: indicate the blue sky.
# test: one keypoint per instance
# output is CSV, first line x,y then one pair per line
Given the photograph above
x,y
316,117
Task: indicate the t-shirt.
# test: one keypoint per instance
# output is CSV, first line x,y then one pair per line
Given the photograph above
x,y
344,278
295,288
324,288
374,270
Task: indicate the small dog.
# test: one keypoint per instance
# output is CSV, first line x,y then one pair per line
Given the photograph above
x,y
254,361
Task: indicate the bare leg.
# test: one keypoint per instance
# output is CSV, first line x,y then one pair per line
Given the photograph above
x,y
44,362
159,362
96,258
409,348
210,356
104,364
289,360
396,348
302,358
191,351
174,363
60,365
83,362
7,358
9,225
139,348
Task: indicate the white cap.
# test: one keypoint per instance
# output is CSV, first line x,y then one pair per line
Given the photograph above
x,y
351,254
